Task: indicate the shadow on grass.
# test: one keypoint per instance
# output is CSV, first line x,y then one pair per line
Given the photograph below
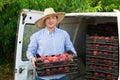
x,y
6,72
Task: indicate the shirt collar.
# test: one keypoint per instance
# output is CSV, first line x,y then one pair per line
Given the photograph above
x,y
46,30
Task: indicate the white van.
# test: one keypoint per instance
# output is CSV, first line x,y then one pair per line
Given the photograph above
x,y
81,27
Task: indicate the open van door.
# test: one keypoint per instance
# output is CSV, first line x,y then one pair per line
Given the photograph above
x,y
118,18
26,27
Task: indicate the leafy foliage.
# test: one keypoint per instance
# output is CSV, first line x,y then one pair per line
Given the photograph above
x,y
5,72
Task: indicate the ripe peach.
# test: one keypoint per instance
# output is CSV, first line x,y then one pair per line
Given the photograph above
x,y
95,52
48,71
43,58
62,59
60,68
50,58
67,68
55,59
46,61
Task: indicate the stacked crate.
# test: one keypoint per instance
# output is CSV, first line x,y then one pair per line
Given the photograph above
x,y
56,64
102,58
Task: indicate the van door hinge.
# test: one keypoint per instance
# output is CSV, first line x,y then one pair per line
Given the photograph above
x,y
24,16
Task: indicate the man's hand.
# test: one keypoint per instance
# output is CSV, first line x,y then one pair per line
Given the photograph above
x,y
33,62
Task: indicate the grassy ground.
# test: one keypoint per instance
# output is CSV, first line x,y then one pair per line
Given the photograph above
x,y
6,72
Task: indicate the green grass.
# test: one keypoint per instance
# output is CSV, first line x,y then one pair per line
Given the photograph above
x,y
6,72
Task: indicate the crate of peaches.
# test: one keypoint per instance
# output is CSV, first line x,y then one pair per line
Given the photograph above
x,y
56,64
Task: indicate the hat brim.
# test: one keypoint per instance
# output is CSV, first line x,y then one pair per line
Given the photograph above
x,y
40,22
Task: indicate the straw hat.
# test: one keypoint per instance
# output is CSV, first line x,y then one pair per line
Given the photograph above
x,y
47,13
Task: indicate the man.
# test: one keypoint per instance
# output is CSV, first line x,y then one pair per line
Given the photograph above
x,y
49,40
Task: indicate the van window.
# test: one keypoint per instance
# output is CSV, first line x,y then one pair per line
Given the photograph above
x,y
28,31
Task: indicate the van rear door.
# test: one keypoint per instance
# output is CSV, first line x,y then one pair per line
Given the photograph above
x,y
26,27
118,18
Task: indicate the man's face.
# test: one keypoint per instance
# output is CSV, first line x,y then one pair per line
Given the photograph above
x,y
51,21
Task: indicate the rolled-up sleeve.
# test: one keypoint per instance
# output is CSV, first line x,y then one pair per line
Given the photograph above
x,y
68,43
32,47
